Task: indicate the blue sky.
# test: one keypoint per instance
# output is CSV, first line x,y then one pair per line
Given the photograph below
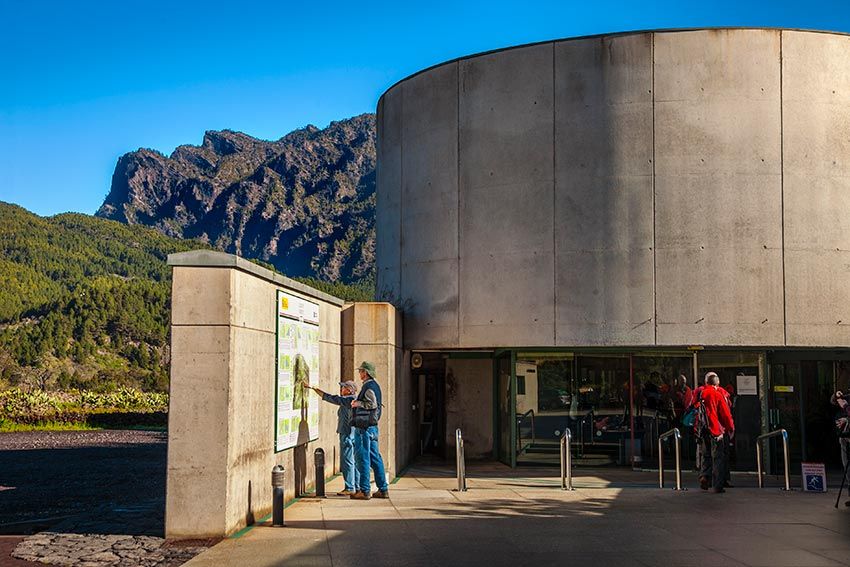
x,y
84,82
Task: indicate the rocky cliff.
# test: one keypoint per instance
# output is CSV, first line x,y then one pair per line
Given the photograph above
x,y
304,203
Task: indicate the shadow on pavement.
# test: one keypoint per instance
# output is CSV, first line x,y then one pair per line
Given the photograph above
x,y
115,489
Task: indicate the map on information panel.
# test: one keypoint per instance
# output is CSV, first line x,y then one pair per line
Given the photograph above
x,y
296,406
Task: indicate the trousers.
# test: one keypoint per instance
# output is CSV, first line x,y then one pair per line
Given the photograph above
x,y
347,464
368,457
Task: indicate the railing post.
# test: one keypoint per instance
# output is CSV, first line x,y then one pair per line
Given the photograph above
x,y
460,461
759,439
660,465
785,454
678,438
566,460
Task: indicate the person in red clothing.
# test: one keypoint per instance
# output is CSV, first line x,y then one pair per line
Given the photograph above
x,y
719,427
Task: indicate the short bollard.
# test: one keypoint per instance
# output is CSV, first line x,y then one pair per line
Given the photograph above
x,y
277,495
319,459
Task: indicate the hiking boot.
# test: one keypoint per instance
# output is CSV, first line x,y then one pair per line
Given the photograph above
x,y
360,495
345,492
728,484
703,482
718,490
381,494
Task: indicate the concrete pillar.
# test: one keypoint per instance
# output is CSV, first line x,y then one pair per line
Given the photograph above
x,y
372,332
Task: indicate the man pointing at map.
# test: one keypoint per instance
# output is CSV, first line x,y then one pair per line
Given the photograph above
x,y
347,390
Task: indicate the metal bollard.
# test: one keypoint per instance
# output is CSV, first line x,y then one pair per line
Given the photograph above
x,y
460,462
319,460
566,460
278,477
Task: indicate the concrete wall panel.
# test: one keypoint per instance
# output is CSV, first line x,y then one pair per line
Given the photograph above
x,y
430,197
389,186
603,191
200,357
621,278
506,198
816,144
254,303
195,297
250,444
740,301
524,313
818,311
506,118
718,188
431,317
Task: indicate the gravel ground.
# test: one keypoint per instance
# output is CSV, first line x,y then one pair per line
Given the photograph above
x,y
87,498
110,482
74,439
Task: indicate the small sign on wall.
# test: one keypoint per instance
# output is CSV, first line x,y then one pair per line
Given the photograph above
x,y
748,385
814,477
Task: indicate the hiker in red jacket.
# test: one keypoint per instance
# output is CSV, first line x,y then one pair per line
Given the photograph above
x,y
717,430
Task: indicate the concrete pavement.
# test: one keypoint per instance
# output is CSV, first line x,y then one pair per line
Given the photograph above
x,y
616,517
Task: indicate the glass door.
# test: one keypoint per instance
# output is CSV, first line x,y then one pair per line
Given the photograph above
x,y
786,410
739,376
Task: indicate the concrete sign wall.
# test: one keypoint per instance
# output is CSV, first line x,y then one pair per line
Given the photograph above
x,y
221,442
659,188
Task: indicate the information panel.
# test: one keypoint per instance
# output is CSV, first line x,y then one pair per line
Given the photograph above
x,y
296,406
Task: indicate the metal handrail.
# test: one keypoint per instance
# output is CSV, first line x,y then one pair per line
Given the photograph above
x,y
759,439
566,460
519,429
460,461
678,436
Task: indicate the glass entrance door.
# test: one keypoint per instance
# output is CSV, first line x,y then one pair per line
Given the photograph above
x,y
786,410
799,402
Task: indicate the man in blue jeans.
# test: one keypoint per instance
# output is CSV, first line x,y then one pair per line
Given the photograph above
x,y
366,412
347,390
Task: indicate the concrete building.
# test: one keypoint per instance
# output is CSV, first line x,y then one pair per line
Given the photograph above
x,y
578,230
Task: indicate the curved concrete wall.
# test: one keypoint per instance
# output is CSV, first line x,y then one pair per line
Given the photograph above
x,y
658,188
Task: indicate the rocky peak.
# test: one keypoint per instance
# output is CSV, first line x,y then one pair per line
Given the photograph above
x,y
304,203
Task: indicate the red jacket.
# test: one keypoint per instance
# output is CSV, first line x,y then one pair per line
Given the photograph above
x,y
717,411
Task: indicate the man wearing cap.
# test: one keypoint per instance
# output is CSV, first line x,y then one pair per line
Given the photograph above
x,y
347,390
366,412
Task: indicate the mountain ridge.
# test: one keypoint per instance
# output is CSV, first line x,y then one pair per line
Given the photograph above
x,y
304,203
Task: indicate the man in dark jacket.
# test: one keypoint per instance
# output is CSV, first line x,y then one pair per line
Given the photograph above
x,y
366,412
347,390
719,427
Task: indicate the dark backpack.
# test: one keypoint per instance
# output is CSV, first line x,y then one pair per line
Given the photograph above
x,y
701,423
696,417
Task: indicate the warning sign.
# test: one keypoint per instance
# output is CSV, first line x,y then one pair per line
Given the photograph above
x,y
814,477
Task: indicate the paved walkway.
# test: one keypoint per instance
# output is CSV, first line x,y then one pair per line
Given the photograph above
x,y
616,518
